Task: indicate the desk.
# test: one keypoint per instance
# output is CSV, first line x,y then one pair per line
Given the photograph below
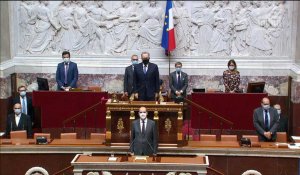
x,y
237,108
192,164
168,118
268,160
57,106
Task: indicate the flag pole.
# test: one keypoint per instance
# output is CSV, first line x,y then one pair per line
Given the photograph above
x,y
169,56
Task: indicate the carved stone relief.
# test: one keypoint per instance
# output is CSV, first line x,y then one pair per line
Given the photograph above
x,y
206,28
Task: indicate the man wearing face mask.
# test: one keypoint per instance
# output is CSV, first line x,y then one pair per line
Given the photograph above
x,y
66,73
283,120
266,121
18,121
146,79
178,83
25,101
128,77
143,139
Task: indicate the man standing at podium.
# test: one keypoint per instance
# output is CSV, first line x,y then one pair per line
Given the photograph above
x,y
143,135
146,79
66,73
266,121
178,83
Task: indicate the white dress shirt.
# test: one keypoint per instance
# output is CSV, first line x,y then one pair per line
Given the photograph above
x,y
146,67
17,119
141,123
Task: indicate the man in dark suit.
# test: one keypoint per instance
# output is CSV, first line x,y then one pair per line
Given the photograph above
x,y
128,77
266,121
25,101
283,120
178,83
143,135
18,121
146,79
66,73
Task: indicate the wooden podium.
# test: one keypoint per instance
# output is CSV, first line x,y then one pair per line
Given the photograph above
x,y
167,115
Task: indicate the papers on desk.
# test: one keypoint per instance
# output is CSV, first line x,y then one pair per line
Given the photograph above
x,y
296,138
294,146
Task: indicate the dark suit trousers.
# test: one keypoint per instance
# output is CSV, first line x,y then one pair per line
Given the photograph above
x,y
143,95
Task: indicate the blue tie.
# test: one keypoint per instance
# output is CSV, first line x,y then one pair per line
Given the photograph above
x,y
24,106
266,121
178,82
66,73
145,69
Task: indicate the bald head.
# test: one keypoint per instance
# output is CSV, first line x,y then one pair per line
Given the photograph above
x,y
277,106
265,103
143,113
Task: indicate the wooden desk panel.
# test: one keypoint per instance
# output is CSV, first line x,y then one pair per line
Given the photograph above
x,y
225,159
168,118
192,164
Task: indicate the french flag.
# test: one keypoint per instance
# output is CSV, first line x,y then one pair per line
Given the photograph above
x,y
168,37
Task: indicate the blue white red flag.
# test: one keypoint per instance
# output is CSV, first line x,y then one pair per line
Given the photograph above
x,y
168,37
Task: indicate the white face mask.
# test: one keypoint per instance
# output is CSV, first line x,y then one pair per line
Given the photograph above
x,y
23,93
278,111
143,115
266,107
66,60
17,111
231,67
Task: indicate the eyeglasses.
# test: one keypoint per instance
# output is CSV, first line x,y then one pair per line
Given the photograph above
x,y
142,112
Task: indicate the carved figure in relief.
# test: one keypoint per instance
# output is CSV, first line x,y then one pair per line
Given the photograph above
x,y
26,25
278,30
81,24
134,25
241,29
150,32
202,29
67,34
182,24
45,28
220,43
258,41
99,21
121,29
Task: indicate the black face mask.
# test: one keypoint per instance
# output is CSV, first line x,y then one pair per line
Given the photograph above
x,y
146,61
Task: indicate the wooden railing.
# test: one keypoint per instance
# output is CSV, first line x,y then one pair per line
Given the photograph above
x,y
212,115
82,114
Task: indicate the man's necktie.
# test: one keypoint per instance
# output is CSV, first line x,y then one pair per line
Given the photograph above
x,y
143,126
66,73
145,69
178,82
23,105
266,121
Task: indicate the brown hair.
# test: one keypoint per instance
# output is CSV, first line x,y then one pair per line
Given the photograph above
x,y
232,61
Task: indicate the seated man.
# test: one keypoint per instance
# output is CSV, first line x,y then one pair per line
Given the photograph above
x,y
18,121
25,101
66,73
143,135
266,121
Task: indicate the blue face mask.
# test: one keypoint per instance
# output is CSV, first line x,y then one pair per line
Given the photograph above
x,y
178,69
135,62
